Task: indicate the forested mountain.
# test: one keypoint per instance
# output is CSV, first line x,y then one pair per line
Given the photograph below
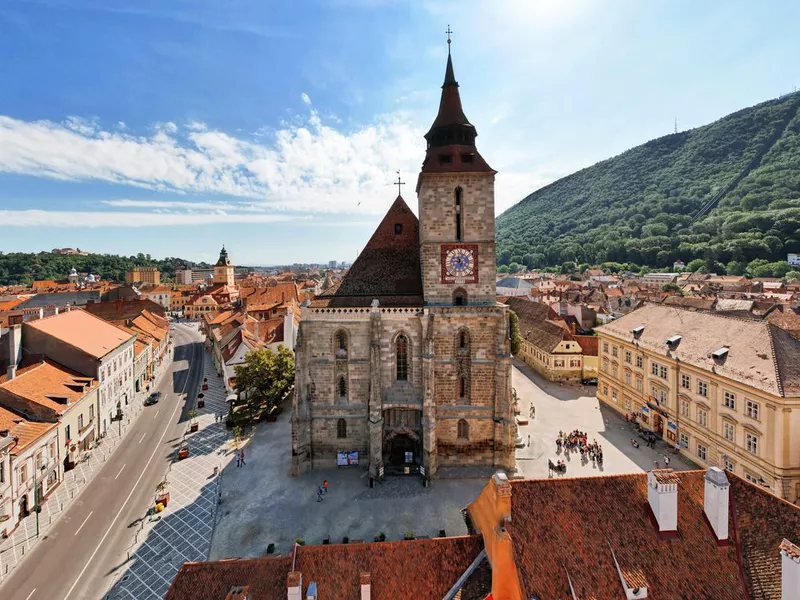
x,y
727,193
22,268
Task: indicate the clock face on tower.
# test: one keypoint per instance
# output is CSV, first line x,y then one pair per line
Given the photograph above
x,y
460,263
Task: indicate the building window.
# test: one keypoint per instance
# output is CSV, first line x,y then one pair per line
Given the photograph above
x,y
575,362
729,431
66,433
751,478
401,350
458,208
686,381
463,429
751,443
2,472
702,417
80,422
728,465
342,388
614,351
23,474
462,387
654,368
614,396
628,356
702,452
684,439
639,361
605,365
340,344
627,403
605,347
463,339
605,391
729,400
627,377
341,429
752,409
639,383
702,389
684,408
662,371
459,297
91,412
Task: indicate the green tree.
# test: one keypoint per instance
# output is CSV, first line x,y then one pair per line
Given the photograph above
x,y
502,269
670,287
735,268
513,325
265,375
792,276
695,265
513,267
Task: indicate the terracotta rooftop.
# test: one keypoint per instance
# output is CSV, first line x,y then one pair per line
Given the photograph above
x,y
82,330
120,311
760,354
26,432
561,526
666,476
387,269
398,570
44,382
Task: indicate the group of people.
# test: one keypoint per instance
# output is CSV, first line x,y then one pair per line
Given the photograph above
x,y
577,441
322,490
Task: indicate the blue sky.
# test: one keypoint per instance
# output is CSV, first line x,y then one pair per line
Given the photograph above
x,y
171,127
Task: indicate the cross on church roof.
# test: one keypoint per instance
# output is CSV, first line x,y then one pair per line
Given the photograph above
x,y
448,32
398,183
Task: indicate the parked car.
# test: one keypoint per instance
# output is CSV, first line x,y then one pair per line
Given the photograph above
x,y
152,399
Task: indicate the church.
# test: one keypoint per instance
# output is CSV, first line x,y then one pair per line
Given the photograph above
x,y
405,363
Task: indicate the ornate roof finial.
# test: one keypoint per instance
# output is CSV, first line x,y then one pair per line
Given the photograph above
x,y
398,183
448,32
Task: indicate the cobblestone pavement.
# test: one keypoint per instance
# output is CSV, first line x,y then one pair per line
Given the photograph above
x,y
569,407
183,533
22,541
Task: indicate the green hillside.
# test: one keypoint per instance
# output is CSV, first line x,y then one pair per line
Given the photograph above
x,y
18,268
727,193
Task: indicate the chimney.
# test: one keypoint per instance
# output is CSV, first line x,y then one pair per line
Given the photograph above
x,y
288,329
294,586
14,350
790,571
716,501
365,586
662,494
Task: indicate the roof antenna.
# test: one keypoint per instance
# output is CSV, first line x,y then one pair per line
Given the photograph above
x,y
448,32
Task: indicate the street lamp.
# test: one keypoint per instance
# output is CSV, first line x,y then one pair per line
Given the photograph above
x,y
37,507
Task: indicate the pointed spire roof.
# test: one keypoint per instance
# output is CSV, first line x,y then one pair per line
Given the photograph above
x,y
388,268
451,138
223,261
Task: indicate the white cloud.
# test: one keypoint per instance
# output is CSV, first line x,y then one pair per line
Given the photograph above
x,y
309,167
305,98
47,218
183,205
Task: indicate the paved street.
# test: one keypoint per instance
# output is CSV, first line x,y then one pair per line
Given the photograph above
x,y
569,407
183,533
86,547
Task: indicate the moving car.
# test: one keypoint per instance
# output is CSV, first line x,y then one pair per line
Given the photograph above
x,y
152,399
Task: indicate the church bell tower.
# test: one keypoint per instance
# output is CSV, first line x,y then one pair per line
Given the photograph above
x,y
223,270
456,208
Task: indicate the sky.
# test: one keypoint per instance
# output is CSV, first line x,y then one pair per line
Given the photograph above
x,y
172,127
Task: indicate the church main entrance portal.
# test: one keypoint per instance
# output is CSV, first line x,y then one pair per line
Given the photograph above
x,y
402,441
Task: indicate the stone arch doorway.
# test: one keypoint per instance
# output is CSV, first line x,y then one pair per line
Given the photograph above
x,y
402,449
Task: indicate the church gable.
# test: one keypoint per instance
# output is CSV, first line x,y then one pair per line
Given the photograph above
x,y
387,269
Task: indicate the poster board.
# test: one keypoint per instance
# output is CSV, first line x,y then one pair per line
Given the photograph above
x,y
347,458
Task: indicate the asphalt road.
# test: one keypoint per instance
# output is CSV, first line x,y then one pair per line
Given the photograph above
x,y
86,549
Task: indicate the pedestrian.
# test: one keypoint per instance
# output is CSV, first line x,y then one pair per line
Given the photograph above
x,y
533,411
238,459
666,461
241,454
319,494
325,486
529,440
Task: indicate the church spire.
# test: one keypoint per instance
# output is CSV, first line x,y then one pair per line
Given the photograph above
x,y
451,138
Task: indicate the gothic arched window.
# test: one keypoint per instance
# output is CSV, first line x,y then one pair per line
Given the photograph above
x,y
463,339
463,429
340,343
342,387
458,210
401,351
341,429
459,297
462,387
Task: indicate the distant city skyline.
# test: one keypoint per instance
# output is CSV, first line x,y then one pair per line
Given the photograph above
x,y
276,128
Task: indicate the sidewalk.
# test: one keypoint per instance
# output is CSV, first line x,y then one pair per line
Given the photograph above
x,y
20,543
184,530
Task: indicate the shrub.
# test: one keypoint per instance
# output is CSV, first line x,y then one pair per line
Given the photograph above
x,y
409,535
381,537
300,542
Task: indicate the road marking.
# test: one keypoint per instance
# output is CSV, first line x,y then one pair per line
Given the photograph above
x,y
133,489
155,415
31,594
120,471
84,522
144,435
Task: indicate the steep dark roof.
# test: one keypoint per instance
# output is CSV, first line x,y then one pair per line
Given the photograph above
x,y
451,138
387,269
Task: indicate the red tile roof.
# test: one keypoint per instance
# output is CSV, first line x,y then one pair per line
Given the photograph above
x,y
82,330
398,570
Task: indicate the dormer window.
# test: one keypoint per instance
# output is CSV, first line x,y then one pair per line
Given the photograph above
x,y
720,353
673,341
637,332
445,159
467,158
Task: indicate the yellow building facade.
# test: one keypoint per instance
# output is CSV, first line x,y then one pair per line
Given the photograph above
x,y
726,390
143,275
